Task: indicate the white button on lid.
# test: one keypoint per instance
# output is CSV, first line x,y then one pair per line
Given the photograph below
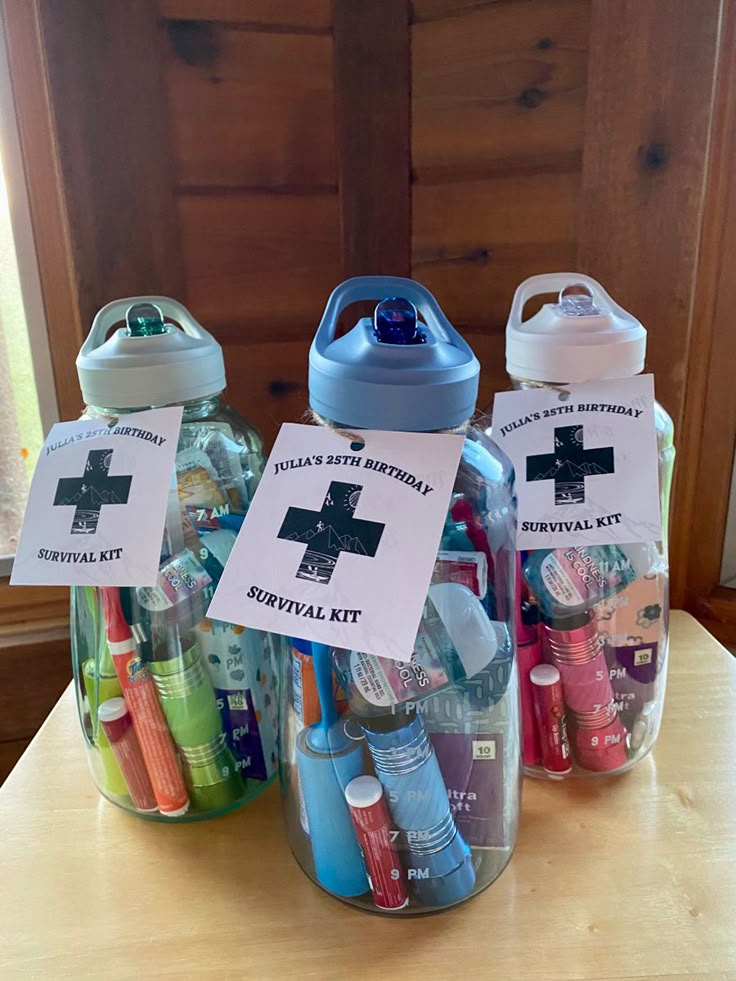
x,y
585,336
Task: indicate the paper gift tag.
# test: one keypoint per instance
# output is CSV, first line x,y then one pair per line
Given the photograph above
x,y
97,505
341,539
586,462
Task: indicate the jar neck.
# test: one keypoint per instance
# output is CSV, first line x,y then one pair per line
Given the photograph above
x,y
524,384
196,409
463,429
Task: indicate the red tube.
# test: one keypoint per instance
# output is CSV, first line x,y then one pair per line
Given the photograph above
x,y
118,725
373,830
549,709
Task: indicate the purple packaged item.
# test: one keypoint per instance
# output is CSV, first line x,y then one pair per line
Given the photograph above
x,y
472,768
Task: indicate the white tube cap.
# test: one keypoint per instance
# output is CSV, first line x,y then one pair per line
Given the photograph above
x,y
544,675
126,371
585,336
364,791
112,709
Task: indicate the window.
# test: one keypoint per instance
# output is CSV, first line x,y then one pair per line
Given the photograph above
x,y
27,400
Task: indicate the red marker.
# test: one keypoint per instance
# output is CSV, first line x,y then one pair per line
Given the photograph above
x,y
145,710
549,709
373,831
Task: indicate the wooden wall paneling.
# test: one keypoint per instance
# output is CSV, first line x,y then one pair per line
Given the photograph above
x,y
46,194
289,15
372,107
500,90
259,264
425,10
474,241
28,604
489,344
250,109
498,99
268,380
709,433
650,90
104,71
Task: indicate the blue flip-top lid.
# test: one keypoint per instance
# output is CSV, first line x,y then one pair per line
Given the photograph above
x,y
391,371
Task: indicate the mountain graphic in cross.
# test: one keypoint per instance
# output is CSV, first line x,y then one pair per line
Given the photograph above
x,y
570,464
89,493
329,532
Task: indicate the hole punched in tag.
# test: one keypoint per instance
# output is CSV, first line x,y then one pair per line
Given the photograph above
x,y
112,422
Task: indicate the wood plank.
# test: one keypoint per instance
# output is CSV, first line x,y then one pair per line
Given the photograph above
x,y
717,612
708,435
268,381
260,263
25,604
250,109
489,347
500,88
10,752
295,14
35,667
372,120
103,63
656,903
46,198
644,168
474,242
423,10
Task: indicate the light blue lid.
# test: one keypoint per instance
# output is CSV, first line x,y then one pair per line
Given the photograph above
x,y
387,373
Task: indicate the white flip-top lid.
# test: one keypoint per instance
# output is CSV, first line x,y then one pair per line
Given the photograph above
x,y
585,336
149,361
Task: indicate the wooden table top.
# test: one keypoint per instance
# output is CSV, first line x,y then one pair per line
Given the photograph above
x,y
629,877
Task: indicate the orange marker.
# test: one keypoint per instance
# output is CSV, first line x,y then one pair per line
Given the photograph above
x,y
145,710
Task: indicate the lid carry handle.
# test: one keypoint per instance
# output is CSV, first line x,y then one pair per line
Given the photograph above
x,y
377,288
115,312
558,283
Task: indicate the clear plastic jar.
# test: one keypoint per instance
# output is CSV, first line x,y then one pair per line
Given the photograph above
x,y
409,801
598,712
178,712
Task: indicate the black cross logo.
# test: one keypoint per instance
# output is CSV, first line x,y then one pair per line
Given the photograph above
x,y
570,464
329,532
88,493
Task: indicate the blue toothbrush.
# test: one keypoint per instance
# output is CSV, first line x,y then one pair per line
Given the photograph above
x,y
327,760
